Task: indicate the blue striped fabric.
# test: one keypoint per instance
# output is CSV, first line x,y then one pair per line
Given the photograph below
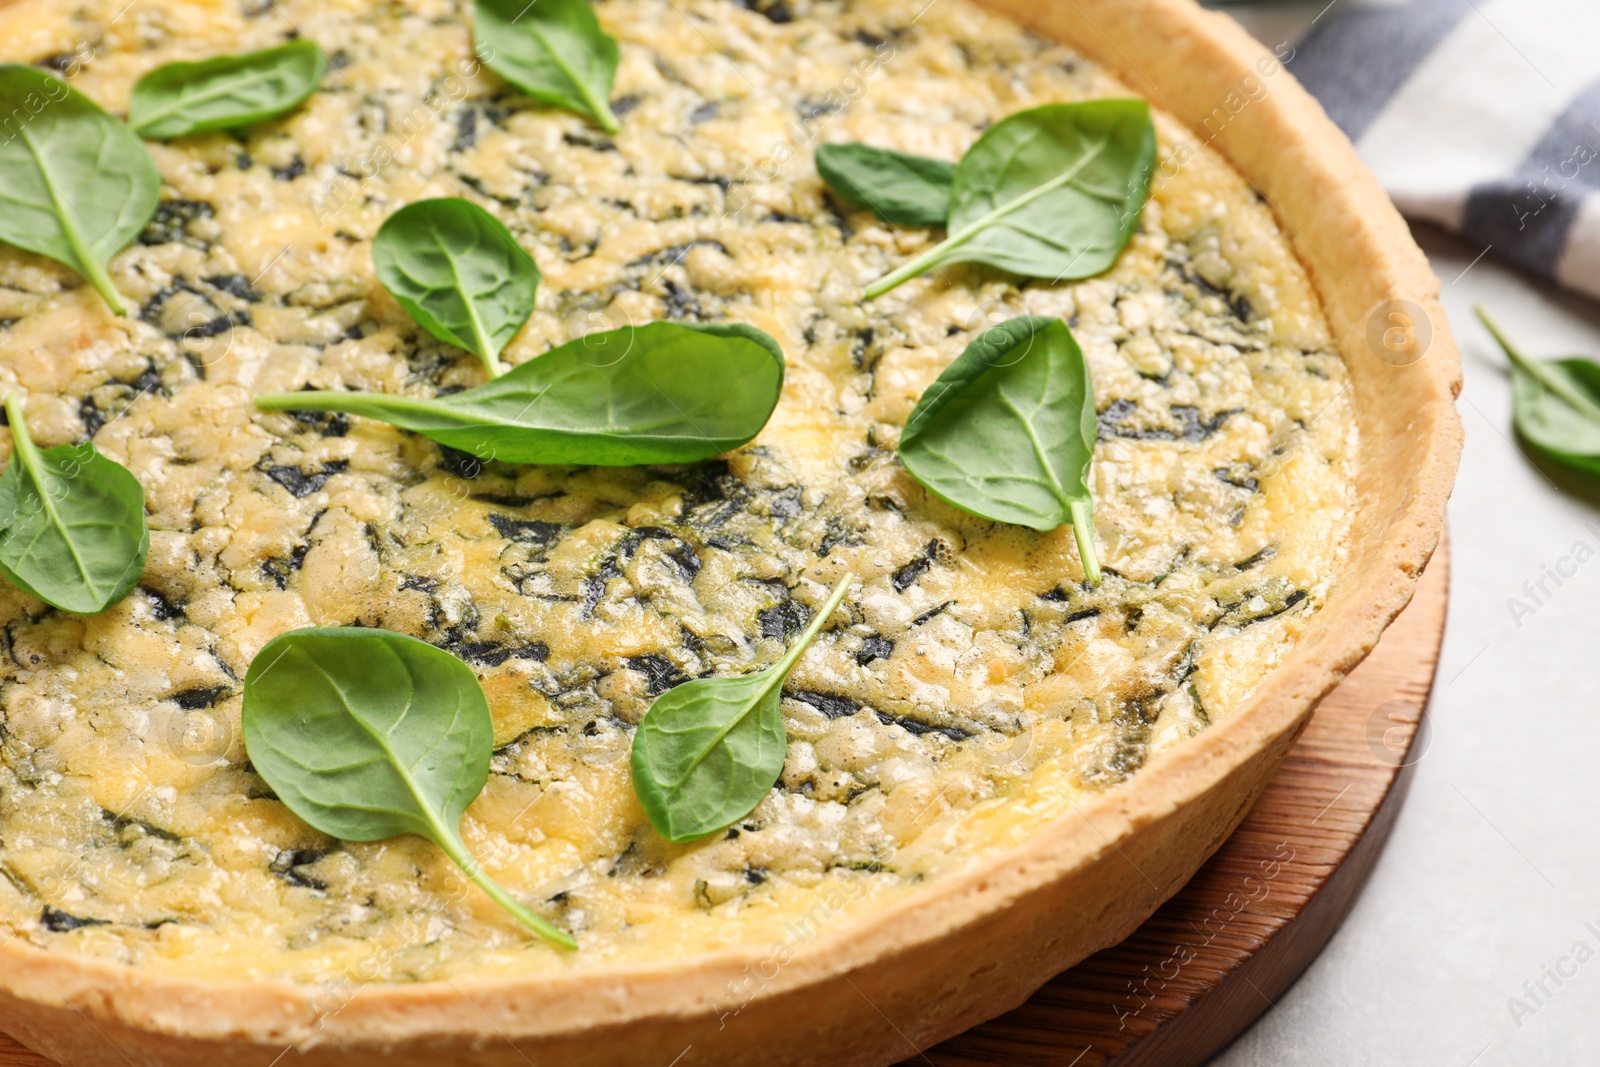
x,y
1480,115
1355,60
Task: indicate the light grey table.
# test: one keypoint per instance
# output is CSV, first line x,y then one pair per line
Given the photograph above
x,y
1477,941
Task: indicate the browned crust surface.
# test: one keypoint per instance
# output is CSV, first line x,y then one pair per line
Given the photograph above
x,y
976,944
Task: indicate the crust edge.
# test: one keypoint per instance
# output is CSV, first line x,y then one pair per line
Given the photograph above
x,y
1107,865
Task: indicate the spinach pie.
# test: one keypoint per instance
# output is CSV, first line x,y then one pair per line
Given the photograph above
x,y
879,485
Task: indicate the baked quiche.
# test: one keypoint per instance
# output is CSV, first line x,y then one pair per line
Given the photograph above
x,y
994,763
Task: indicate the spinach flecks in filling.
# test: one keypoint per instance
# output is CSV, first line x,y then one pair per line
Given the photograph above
x,y
969,655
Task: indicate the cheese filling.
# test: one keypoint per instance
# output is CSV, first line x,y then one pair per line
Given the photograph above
x,y
968,691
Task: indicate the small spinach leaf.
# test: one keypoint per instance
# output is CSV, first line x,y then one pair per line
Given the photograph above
x,y
902,189
1053,192
708,750
664,392
553,50
75,184
1007,432
74,532
459,273
1555,404
178,99
367,735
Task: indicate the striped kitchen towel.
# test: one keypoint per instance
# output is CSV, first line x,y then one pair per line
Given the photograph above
x,y
1480,115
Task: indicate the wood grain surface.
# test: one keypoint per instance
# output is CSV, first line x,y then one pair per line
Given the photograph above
x,y
1217,954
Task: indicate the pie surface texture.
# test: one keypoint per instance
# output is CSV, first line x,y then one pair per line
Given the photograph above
x,y
970,690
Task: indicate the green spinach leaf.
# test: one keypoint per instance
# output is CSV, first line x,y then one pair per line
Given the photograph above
x,y
708,750
459,273
367,735
902,189
664,392
72,525
178,99
1053,192
553,50
1007,432
1555,404
75,184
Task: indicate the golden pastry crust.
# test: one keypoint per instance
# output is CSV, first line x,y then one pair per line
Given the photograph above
x,y
928,959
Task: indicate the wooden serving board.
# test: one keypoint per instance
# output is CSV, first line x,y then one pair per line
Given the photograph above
x,y
1217,954
1221,951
